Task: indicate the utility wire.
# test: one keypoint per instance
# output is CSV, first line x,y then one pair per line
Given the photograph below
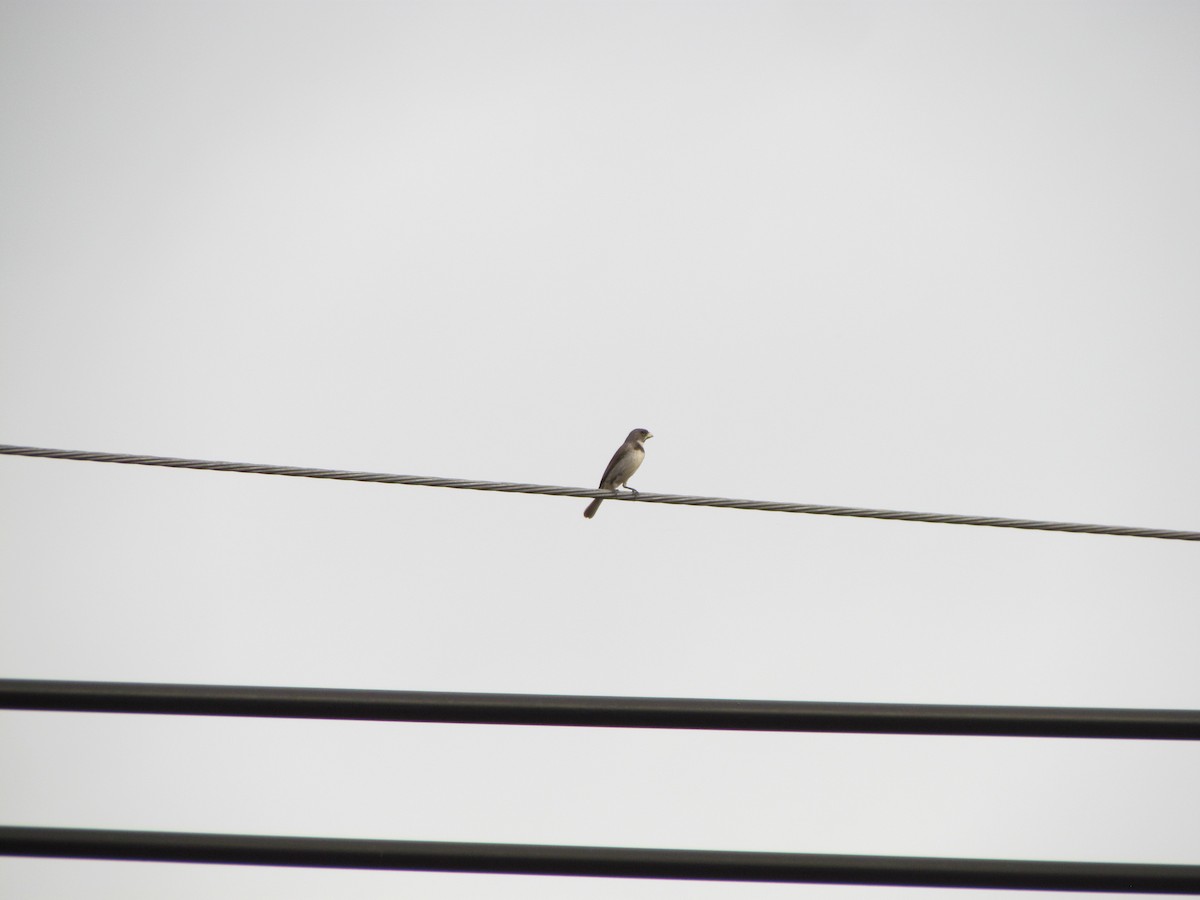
x,y
641,497
597,712
607,862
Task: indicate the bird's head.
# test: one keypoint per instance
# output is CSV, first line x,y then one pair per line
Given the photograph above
x,y
639,435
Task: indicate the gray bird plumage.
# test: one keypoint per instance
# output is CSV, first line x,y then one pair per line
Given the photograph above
x,y
622,466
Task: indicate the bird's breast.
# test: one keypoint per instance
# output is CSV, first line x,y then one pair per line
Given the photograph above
x,y
627,465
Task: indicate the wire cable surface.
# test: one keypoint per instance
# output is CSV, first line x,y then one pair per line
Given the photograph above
x,y
641,497
607,862
598,712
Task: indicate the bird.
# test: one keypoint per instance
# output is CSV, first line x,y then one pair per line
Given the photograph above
x,y
622,466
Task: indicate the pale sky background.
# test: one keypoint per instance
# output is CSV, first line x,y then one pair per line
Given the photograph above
x,y
919,255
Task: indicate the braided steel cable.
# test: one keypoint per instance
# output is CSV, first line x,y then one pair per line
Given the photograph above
x,y
640,497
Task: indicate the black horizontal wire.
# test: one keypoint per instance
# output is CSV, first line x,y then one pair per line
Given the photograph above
x,y
606,862
513,487
598,712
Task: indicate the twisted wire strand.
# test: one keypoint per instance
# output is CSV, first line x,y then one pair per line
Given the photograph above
x,y
512,487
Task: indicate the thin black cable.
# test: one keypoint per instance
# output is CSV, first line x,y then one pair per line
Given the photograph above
x,y
642,497
598,712
605,862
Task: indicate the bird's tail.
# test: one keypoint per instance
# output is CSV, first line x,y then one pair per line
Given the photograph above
x,y
592,507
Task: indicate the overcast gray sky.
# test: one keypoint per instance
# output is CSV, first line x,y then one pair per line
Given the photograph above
x,y
920,255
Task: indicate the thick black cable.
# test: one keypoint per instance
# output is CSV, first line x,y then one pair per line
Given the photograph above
x,y
642,497
606,862
598,712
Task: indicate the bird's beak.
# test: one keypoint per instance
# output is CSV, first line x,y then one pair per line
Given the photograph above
x,y
648,436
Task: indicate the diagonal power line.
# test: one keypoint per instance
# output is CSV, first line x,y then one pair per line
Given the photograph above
x,y
602,862
597,712
642,497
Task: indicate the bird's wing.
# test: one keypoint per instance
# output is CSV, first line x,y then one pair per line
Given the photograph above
x,y
615,463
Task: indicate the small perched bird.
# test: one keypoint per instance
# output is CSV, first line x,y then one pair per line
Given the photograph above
x,y
622,466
